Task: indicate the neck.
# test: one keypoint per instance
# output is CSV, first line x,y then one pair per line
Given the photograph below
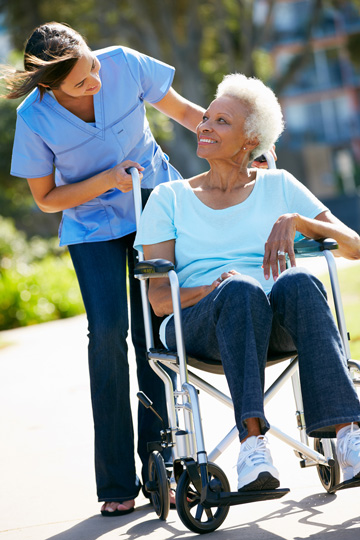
x,y
229,177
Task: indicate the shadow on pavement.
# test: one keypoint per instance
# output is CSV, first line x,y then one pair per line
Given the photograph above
x,y
307,510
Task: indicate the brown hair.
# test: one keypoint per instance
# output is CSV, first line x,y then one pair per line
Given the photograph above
x,y
51,52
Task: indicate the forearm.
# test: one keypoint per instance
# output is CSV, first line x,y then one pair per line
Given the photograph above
x,y
182,110
67,196
347,239
161,300
193,116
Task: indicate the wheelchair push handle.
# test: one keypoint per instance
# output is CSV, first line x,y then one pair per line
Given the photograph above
x,y
135,177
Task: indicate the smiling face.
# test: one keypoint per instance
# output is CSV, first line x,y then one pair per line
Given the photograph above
x,y
221,133
83,79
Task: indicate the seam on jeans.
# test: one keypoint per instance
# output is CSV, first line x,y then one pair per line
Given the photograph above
x,y
222,286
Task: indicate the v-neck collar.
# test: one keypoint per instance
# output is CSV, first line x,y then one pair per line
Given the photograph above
x,y
97,129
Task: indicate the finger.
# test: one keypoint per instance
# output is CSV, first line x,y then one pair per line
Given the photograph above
x,y
274,265
128,164
260,164
291,254
282,263
266,263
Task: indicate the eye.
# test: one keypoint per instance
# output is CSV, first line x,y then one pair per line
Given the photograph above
x,y
93,64
222,120
204,118
80,85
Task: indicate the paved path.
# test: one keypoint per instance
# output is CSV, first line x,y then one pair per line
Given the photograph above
x,y
47,488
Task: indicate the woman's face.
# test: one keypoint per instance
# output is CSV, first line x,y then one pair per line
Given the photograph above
x,y
83,79
221,132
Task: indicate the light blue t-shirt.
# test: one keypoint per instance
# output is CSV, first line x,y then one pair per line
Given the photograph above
x,y
209,242
48,135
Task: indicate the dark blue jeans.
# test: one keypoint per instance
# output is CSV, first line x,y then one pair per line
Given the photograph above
x,y
101,268
238,322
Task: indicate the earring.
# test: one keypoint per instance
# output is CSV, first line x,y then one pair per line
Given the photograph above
x,y
244,148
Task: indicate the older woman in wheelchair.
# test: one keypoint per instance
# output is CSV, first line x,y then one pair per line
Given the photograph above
x,y
230,232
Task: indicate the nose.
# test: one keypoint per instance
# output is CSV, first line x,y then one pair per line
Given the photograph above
x,y
205,127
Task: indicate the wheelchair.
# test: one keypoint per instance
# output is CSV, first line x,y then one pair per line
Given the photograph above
x,y
203,495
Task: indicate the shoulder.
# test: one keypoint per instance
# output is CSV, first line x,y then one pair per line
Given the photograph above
x,y
268,178
170,189
119,53
32,100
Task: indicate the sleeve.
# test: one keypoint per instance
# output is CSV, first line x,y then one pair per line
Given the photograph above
x,y
157,220
300,200
153,76
31,157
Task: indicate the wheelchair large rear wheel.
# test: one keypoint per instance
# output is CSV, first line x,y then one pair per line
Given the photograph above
x,y
158,479
329,476
194,516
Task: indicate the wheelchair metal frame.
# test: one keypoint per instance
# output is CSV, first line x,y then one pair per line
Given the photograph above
x,y
188,443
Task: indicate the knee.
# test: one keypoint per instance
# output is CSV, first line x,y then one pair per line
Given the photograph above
x,y
239,291
298,283
108,327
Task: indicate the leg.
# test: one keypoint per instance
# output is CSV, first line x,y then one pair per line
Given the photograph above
x,y
101,271
233,324
331,403
298,300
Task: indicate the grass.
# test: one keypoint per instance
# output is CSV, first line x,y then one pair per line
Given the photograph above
x,y
349,279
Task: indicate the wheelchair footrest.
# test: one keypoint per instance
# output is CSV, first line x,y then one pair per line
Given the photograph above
x,y
354,482
210,498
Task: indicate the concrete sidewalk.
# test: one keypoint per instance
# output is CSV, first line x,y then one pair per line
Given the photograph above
x,y
46,456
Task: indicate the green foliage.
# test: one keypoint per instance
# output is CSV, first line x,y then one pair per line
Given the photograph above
x,y
349,279
37,280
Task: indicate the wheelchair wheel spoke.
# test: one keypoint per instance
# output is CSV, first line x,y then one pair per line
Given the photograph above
x,y
199,512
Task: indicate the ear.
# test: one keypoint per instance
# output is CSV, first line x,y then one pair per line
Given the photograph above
x,y
251,144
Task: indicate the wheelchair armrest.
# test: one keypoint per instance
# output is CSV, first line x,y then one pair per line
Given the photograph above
x,y
153,267
308,247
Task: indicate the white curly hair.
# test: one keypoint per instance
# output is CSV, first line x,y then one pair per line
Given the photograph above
x,y
265,120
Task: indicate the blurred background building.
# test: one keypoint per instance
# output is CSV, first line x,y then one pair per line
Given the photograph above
x,y
321,143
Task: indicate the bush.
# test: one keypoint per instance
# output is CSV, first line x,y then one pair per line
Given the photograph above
x,y
38,282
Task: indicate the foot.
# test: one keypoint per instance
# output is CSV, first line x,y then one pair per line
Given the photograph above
x,y
172,498
255,467
348,451
117,508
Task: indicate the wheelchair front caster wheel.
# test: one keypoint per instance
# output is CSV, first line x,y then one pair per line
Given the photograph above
x,y
159,485
194,516
329,476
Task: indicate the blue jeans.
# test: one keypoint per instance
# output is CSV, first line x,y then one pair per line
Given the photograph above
x,y
238,322
102,273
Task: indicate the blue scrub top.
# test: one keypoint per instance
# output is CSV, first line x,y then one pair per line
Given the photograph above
x,y
48,135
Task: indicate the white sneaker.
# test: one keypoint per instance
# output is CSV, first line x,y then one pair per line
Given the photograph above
x,y
348,451
255,467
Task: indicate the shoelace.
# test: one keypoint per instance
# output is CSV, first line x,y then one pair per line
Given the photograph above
x,y
257,454
351,441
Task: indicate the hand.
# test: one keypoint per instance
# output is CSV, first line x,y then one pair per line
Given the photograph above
x,y
280,243
224,275
263,164
122,179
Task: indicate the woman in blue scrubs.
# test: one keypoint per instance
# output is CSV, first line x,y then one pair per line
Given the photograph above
x,y
82,124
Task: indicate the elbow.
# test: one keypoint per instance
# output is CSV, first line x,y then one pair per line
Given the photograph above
x,y
158,309
46,208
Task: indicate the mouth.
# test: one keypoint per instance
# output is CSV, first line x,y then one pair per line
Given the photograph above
x,y
202,140
93,88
